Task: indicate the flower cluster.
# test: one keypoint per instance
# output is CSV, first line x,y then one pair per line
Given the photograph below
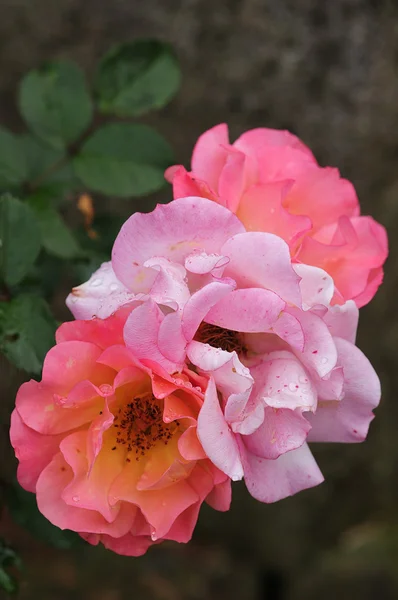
x,y
217,342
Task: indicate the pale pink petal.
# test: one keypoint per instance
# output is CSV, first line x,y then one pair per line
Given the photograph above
x,y
281,381
282,430
100,296
342,320
272,480
250,310
319,351
102,332
172,231
141,334
201,302
217,440
209,155
349,419
316,286
262,260
233,179
202,263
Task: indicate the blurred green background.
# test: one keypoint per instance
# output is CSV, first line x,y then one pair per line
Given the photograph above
x,y
328,71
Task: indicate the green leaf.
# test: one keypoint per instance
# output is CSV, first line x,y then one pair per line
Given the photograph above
x,y
55,103
124,159
49,169
19,239
13,168
27,330
136,77
56,237
8,558
23,508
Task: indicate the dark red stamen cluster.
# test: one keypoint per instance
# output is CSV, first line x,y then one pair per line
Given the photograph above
x,y
140,425
218,337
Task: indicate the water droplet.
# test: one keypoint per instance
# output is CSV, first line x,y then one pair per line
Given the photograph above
x,y
113,287
154,537
106,389
292,387
324,360
198,388
303,379
75,498
96,282
179,381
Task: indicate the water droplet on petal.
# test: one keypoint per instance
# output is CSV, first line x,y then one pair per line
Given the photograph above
x,y
198,388
75,498
292,387
96,282
324,360
113,287
303,379
154,537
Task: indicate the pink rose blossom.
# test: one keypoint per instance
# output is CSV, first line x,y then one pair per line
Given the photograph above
x,y
280,361
272,181
109,444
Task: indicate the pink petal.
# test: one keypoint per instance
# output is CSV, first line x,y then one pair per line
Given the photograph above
x,y
127,545
254,140
215,436
262,260
342,320
102,332
186,184
50,485
209,155
261,209
349,419
272,480
33,450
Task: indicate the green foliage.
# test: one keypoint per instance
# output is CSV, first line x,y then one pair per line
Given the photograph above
x,y
13,167
124,159
55,103
56,237
27,330
20,239
8,559
134,78
49,173
23,508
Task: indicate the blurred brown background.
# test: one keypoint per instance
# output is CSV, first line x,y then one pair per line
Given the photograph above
x,y
328,72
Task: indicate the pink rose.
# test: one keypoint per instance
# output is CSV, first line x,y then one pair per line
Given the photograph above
x,y
280,360
272,181
109,444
